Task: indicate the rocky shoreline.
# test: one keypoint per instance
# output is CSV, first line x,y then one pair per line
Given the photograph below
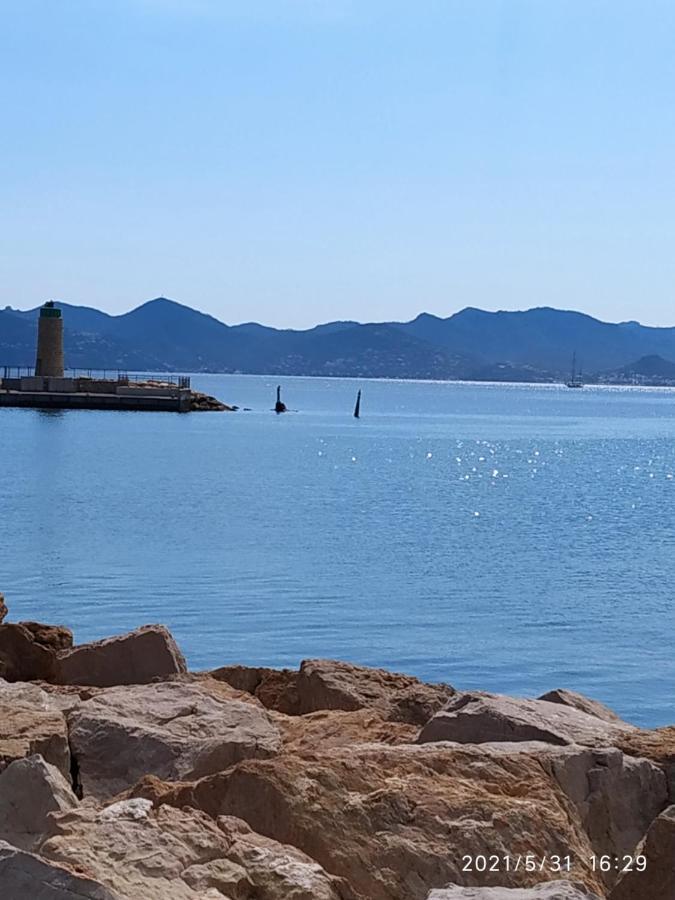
x,y
123,775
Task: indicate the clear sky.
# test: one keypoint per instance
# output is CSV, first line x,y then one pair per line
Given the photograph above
x,y
295,161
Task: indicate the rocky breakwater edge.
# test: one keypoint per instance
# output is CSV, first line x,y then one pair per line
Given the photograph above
x,y
123,775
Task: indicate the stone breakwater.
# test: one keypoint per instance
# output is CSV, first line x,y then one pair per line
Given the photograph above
x,y
123,775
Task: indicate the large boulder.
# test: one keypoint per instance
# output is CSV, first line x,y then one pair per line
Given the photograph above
x,y
657,745
31,723
30,789
138,657
553,890
171,854
397,821
24,875
585,704
651,875
22,658
173,730
476,718
276,689
616,796
329,684
326,684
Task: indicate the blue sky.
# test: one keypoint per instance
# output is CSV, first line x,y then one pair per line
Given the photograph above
x,y
298,161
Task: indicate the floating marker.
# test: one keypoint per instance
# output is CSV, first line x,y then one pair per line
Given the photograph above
x,y
357,408
279,407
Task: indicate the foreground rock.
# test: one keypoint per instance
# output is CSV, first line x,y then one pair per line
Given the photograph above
x,y
396,821
3,609
657,881
135,658
657,745
585,704
171,854
22,657
24,875
31,723
323,684
30,789
172,730
555,890
475,718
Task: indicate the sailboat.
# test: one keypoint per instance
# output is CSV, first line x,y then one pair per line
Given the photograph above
x,y
575,381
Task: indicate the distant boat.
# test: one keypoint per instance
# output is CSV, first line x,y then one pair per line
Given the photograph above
x,y
575,381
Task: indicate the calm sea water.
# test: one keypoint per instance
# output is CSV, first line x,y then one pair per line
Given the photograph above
x,y
505,537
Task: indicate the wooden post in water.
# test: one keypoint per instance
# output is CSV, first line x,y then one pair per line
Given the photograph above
x,y
279,407
357,408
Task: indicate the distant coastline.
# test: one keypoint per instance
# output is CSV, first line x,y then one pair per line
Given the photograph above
x,y
535,346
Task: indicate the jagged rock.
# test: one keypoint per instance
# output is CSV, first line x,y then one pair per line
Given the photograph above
x,y
329,684
554,890
135,658
24,875
275,688
657,881
585,704
30,789
474,718
396,821
657,745
171,854
31,723
22,658
616,796
338,728
169,729
3,608
55,637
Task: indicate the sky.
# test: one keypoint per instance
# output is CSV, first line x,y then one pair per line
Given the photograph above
x,y
299,161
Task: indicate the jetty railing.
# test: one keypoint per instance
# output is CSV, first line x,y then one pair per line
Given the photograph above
x,y
118,375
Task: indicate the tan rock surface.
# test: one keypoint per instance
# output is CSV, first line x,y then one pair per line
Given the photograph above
x,y
556,890
396,821
657,881
337,728
171,854
3,608
24,876
31,723
275,688
170,729
30,789
55,637
585,704
325,684
474,718
657,745
135,658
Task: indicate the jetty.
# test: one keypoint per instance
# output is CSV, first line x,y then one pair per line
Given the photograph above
x,y
48,385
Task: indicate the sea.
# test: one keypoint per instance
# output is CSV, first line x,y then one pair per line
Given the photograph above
x,y
509,538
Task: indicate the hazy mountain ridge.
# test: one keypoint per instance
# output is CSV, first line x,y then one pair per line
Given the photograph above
x,y
534,345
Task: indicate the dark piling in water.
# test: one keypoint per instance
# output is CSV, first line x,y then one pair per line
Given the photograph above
x,y
357,408
279,407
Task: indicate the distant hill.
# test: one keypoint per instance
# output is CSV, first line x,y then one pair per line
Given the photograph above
x,y
536,345
651,367
544,338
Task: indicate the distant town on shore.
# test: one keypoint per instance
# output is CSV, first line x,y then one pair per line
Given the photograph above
x,y
537,345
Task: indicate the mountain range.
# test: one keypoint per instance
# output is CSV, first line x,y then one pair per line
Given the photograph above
x,y
535,345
